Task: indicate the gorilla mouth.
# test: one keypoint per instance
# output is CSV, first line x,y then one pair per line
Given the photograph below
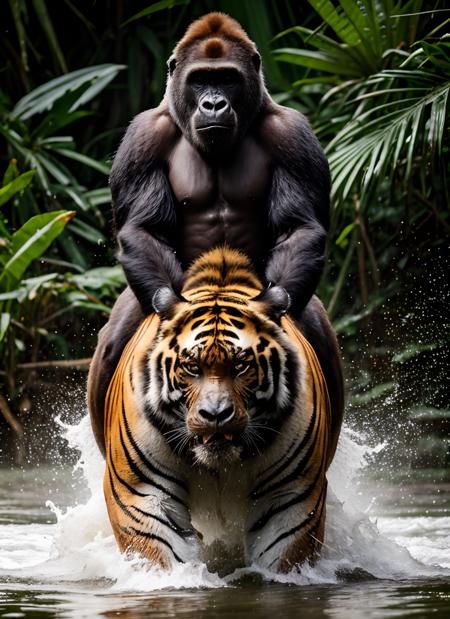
x,y
214,126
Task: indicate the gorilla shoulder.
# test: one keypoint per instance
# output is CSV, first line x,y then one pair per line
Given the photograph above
x,y
284,129
151,134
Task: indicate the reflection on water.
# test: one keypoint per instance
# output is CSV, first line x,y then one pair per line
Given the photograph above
x,y
380,599
55,564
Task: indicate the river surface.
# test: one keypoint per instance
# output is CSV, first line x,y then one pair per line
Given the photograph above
x,y
386,553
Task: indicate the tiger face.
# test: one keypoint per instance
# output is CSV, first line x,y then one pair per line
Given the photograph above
x,y
222,380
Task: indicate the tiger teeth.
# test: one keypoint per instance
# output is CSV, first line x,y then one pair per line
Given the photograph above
x,y
207,437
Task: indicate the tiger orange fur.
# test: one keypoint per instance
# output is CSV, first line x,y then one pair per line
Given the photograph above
x,y
218,430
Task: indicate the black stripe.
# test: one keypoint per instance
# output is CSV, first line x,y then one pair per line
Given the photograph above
x,y
142,476
264,384
275,364
294,455
262,345
148,535
298,527
291,476
168,367
237,323
199,323
156,420
259,524
130,488
233,311
120,503
203,334
153,468
229,334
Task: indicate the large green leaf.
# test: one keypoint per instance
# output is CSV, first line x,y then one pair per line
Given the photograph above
x,y
319,60
341,25
30,242
88,82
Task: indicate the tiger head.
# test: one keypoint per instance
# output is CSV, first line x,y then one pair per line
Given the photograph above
x,y
223,374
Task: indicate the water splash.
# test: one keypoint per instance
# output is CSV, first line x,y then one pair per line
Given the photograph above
x,y
81,545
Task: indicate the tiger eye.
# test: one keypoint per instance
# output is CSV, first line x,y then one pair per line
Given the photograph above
x,y
192,368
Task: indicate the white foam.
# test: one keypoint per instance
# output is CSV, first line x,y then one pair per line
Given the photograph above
x,y
81,546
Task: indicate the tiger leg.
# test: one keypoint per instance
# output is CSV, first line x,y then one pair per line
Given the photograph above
x,y
145,493
289,530
307,543
125,318
287,526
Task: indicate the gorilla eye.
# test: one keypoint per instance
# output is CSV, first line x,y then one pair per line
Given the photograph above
x,y
192,368
172,63
256,59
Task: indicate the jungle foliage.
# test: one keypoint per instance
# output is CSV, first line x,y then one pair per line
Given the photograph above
x,y
373,79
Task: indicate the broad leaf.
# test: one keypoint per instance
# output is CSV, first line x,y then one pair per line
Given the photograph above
x,y
30,242
16,185
89,81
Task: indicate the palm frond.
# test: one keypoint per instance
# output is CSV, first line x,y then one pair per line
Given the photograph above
x,y
395,134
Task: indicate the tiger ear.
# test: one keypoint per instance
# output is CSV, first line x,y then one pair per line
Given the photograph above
x,y
164,301
277,301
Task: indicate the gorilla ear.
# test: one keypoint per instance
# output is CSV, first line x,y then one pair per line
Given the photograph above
x,y
163,301
172,63
277,301
256,60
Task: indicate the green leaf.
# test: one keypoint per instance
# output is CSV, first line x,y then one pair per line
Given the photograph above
x,y
87,232
342,240
341,25
155,7
5,319
373,394
88,81
97,165
30,242
18,184
321,61
413,350
95,197
11,172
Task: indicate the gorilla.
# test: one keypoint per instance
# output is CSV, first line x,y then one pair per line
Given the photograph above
x,y
217,162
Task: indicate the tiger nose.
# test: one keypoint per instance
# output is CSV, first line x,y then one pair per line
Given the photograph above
x,y
218,417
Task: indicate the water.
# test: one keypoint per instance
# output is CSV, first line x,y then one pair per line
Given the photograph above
x,y
386,554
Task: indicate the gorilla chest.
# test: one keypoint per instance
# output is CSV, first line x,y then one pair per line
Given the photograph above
x,y
218,203
196,183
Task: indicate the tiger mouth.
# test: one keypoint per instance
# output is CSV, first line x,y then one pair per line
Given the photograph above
x,y
215,438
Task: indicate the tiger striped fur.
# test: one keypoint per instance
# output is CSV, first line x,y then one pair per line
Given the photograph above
x,y
217,430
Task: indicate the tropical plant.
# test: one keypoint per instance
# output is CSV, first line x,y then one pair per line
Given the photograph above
x,y
383,106
31,129
29,305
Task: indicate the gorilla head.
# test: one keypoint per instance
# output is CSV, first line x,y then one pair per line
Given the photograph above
x,y
215,86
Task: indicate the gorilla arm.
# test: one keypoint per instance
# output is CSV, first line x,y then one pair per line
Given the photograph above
x,y
298,206
143,207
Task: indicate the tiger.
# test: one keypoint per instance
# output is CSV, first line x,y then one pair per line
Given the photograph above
x,y
219,430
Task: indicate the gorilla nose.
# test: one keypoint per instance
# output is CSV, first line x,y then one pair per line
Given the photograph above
x,y
214,106
217,417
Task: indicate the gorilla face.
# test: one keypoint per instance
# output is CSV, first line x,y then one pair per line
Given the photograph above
x,y
215,100
215,95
